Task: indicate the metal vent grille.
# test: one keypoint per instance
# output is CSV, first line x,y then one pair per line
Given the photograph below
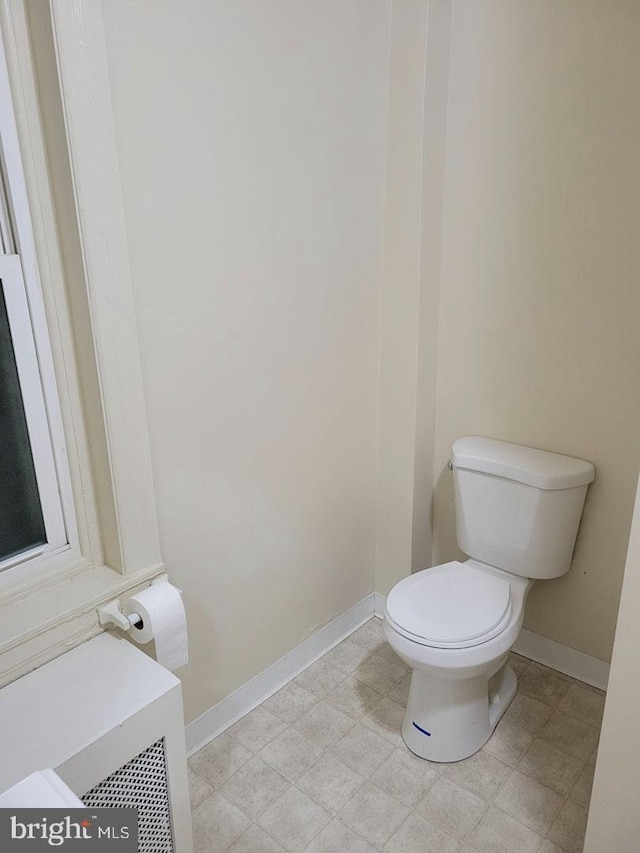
x,y
141,784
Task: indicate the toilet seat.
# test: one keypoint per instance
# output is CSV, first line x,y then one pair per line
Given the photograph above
x,y
455,605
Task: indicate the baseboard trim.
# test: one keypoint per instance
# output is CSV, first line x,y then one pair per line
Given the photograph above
x,y
218,718
563,659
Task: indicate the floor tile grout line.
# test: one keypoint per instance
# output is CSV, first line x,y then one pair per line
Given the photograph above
x,y
487,803
268,834
564,802
506,779
475,824
254,823
320,831
331,811
556,707
583,761
561,806
412,811
555,817
578,720
506,814
293,784
538,736
566,796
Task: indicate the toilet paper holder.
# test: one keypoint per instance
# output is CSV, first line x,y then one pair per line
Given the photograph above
x,y
111,615
153,612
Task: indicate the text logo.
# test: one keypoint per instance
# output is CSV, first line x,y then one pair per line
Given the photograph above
x,y
101,830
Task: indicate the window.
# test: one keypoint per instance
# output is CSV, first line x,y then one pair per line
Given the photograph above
x,y
31,518
37,520
86,529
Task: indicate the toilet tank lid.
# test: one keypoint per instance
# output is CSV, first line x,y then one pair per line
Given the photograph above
x,y
538,468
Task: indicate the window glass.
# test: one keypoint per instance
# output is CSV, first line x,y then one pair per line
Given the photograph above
x,y
21,520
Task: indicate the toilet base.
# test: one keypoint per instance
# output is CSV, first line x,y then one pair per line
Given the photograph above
x,y
450,720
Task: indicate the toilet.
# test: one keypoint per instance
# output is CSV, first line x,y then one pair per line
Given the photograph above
x,y
518,510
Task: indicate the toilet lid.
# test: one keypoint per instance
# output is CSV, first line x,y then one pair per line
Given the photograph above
x,y
452,603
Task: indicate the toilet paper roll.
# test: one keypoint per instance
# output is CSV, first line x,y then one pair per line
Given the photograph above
x,y
163,619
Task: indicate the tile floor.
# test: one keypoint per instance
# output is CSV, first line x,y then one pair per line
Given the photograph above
x,y
320,767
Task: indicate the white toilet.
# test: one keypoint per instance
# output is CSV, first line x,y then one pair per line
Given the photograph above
x,y
517,515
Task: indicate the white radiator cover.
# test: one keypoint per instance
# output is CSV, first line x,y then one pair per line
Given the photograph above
x,y
108,719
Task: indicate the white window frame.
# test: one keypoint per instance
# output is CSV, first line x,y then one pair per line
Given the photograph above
x,y
43,614
32,348
35,410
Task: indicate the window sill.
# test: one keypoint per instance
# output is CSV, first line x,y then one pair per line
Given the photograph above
x,y
42,623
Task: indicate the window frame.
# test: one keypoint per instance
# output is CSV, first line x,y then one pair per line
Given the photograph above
x,y
45,612
33,350
39,425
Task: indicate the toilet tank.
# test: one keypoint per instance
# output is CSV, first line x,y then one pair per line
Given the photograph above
x,y
518,508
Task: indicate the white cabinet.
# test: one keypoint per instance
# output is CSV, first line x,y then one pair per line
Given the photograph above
x,y
108,719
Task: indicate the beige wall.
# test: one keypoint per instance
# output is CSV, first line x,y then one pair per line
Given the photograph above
x,y
416,132
328,294
400,294
251,142
538,340
614,820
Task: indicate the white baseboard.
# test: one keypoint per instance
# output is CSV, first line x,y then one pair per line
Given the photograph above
x,y
563,659
254,692
250,695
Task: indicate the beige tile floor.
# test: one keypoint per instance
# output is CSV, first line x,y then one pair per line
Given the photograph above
x,y
320,767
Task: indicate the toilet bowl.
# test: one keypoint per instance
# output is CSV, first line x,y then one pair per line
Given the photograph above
x,y
452,709
455,624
